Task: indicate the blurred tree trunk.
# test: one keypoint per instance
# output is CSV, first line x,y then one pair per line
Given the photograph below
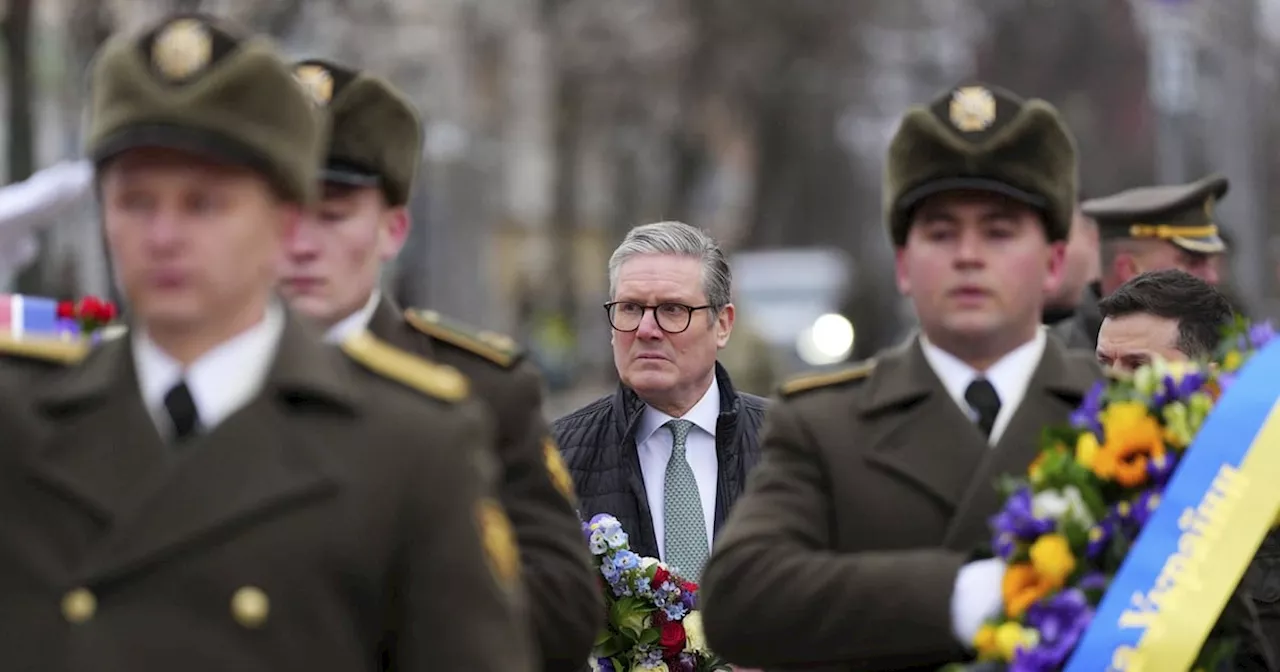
x,y
16,28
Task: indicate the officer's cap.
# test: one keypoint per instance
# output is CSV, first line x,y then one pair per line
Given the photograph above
x,y
1182,214
375,133
195,84
979,137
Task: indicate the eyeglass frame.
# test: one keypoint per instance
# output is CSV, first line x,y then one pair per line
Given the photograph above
x,y
689,310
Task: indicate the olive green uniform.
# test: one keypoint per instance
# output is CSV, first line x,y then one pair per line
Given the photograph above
x,y
875,487
374,142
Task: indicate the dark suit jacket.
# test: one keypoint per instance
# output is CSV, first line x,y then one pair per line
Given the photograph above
x,y
337,509
873,491
565,603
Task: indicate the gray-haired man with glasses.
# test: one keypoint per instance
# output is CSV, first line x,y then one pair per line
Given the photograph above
x,y
668,452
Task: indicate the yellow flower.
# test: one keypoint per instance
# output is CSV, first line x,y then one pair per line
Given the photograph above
x,y
1021,587
1087,450
1133,437
1011,636
695,638
1232,361
985,643
1052,558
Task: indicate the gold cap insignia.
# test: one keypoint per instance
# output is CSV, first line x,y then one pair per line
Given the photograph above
x,y
182,49
556,469
317,80
973,109
499,541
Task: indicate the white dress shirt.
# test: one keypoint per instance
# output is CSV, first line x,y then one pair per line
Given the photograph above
x,y
355,322
654,443
1010,375
221,381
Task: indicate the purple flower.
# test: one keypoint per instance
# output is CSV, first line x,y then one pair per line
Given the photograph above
x,y
685,662
1086,417
689,600
1160,468
1060,620
1017,522
1100,537
1094,581
1225,380
1258,335
1178,390
1144,506
605,665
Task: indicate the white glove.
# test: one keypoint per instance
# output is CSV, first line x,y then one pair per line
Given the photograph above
x,y
976,598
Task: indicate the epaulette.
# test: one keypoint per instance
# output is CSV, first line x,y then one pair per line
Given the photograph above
x,y
820,380
497,348
435,380
46,349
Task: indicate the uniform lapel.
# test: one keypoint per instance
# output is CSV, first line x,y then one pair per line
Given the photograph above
x,y
102,444
261,461
917,431
388,324
1055,389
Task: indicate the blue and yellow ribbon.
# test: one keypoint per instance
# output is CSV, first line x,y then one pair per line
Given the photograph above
x,y
1189,558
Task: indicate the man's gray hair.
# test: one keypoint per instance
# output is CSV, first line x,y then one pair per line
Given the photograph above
x,y
680,239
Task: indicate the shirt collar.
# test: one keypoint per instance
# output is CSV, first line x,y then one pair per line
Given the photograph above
x,y
1010,374
355,322
221,381
703,415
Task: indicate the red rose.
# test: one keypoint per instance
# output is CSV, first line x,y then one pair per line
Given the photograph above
x,y
660,576
89,308
689,587
66,310
672,637
108,311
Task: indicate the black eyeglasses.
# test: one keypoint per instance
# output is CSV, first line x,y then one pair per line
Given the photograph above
x,y
672,318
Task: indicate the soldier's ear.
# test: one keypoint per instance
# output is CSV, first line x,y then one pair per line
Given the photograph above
x,y
393,232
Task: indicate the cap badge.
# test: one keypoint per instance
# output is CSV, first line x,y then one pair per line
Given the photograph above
x,y
316,80
973,109
182,49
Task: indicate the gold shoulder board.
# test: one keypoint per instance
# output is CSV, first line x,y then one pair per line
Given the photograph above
x,y
435,380
497,348
47,349
821,380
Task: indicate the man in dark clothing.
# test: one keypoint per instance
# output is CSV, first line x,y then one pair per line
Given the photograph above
x,y
333,261
668,453
1149,229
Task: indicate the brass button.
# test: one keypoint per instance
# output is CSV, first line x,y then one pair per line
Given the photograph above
x,y
250,606
79,605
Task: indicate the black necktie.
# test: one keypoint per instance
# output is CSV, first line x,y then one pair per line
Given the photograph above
x,y
983,399
182,410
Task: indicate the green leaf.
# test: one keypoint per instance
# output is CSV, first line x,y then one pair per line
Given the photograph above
x,y
650,636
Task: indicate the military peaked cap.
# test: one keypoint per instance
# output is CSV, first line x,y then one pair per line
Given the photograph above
x,y
375,133
195,84
1182,214
979,137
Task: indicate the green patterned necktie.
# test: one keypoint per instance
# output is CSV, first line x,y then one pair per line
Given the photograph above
x,y
686,528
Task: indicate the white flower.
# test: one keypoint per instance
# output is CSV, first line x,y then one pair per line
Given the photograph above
x,y
617,538
595,664
1065,504
597,543
695,638
660,667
